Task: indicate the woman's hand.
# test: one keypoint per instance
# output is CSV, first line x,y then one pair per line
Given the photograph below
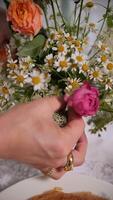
x,y
29,134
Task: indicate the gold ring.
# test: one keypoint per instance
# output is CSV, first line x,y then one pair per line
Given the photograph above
x,y
51,172
70,162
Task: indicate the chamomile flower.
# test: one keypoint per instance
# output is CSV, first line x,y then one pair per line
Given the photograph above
x,y
78,58
47,78
102,59
26,63
109,66
37,80
72,84
62,48
12,64
96,74
92,27
62,64
6,91
103,47
20,78
84,68
49,60
108,84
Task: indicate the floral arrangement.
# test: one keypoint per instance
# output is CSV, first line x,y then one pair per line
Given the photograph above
x,y
57,60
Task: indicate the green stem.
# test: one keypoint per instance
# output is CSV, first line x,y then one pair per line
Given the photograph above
x,y
101,28
6,3
54,14
94,54
106,110
79,18
86,25
60,12
75,13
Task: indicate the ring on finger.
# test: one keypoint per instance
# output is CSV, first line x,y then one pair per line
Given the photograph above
x,y
70,162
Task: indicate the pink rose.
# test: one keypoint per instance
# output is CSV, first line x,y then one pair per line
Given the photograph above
x,y
85,100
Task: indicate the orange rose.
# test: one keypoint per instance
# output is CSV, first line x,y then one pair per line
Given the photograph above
x,y
25,16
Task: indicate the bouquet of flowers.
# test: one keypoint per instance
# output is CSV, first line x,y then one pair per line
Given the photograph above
x,y
56,60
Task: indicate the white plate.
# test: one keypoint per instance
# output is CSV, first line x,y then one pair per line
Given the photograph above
x,y
71,182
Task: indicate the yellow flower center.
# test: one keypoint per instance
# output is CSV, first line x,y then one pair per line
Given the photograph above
x,y
103,47
74,65
46,75
85,67
12,65
26,65
50,61
92,25
80,49
5,90
75,85
36,80
63,64
79,58
20,79
69,38
110,66
77,43
103,58
96,74
89,4
61,48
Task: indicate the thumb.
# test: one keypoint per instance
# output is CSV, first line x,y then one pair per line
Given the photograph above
x,y
74,128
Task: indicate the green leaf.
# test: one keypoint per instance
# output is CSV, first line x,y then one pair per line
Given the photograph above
x,y
6,3
33,48
110,21
106,107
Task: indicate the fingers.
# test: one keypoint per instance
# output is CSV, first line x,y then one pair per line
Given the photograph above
x,y
79,152
54,173
74,129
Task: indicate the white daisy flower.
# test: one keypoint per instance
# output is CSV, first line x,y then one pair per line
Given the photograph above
x,y
72,84
102,59
78,58
103,47
92,27
49,60
20,78
26,63
108,66
108,84
12,64
96,74
62,64
84,68
36,79
6,91
62,48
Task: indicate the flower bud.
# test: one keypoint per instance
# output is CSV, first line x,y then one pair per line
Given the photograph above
x,y
89,4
